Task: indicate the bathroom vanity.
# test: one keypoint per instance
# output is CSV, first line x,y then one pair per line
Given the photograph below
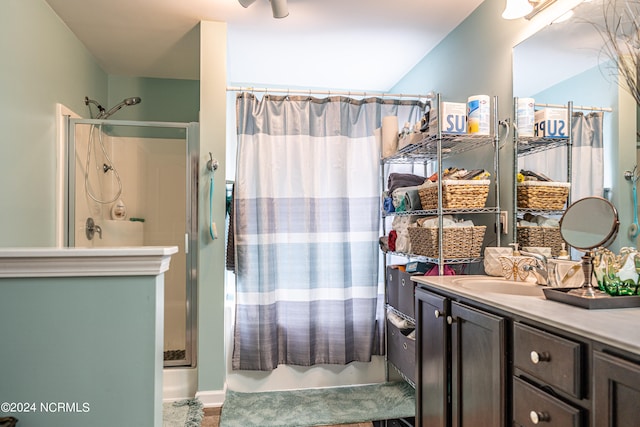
x,y
491,352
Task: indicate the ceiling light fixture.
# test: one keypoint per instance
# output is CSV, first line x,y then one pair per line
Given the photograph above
x,y
279,8
517,9
525,8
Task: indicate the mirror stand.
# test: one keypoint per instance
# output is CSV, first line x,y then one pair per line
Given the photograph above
x,y
586,290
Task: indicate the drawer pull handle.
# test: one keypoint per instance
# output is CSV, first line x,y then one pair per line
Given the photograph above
x,y
402,282
539,417
404,345
437,313
449,320
539,357
390,278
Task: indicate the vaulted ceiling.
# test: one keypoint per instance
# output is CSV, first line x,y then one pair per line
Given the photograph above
x,y
337,44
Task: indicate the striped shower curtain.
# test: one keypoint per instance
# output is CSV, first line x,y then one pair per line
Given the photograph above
x,y
306,212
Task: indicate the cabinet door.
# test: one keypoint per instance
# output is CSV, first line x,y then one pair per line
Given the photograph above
x,y
432,396
478,368
616,392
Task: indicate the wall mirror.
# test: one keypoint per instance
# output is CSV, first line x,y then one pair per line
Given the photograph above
x,y
563,62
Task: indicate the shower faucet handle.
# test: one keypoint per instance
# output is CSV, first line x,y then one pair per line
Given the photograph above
x,y
91,228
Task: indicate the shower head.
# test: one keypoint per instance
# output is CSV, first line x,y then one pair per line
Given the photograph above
x,y
126,102
133,101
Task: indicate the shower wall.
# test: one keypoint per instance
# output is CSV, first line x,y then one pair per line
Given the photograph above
x,y
153,175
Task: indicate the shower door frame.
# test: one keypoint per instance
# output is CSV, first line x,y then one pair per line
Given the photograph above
x,y
192,132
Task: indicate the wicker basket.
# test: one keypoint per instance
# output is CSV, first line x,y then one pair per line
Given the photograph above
x,y
459,242
537,236
542,195
456,194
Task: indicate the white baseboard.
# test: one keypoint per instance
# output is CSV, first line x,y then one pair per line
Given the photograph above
x,y
179,384
211,398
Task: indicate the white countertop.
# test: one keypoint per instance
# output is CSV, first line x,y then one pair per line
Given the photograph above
x,y
618,328
74,262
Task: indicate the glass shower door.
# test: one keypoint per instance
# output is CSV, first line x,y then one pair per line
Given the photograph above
x,y
134,184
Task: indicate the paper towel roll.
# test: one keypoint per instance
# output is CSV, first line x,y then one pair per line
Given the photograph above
x,y
389,135
526,116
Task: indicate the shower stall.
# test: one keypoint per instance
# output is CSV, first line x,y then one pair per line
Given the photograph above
x,y
132,183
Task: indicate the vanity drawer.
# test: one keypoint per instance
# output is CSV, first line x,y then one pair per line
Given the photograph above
x,y
554,360
401,351
532,407
400,291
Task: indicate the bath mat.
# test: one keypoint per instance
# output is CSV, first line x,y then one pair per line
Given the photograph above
x,y
184,413
313,407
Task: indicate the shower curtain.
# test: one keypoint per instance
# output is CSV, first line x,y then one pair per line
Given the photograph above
x,y
306,212
587,177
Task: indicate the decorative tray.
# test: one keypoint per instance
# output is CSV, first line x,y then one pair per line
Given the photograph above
x,y
600,301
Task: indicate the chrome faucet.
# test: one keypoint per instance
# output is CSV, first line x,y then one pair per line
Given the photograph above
x,y
539,270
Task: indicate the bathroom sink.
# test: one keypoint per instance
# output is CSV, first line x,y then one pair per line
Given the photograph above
x,y
497,285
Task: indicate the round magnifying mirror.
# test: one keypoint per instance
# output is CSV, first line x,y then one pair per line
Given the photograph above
x,y
586,224
589,223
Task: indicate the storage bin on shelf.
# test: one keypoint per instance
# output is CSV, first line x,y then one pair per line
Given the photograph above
x,y
456,193
458,242
547,195
540,236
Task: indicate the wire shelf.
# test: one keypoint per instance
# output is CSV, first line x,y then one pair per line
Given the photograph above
x,y
427,148
522,211
444,211
435,260
401,314
531,145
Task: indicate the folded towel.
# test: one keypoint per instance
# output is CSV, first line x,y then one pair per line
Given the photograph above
x,y
399,193
387,205
391,242
432,221
397,180
403,243
400,223
412,200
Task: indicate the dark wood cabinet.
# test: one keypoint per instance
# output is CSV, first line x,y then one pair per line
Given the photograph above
x,y
616,391
486,364
533,406
432,369
462,364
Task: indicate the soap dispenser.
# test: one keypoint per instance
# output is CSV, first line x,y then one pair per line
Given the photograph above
x,y
516,252
563,252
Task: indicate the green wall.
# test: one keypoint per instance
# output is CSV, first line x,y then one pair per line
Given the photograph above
x,y
163,100
92,342
43,63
